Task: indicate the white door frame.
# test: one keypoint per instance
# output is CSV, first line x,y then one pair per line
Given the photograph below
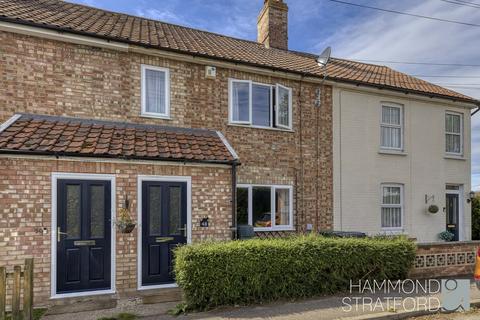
x,y
53,268
140,180
461,205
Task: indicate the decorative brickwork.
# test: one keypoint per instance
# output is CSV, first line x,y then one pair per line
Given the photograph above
x,y
445,259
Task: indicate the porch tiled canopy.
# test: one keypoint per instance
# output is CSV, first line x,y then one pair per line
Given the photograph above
x,y
62,136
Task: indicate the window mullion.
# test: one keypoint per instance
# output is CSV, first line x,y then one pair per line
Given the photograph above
x,y
250,206
272,205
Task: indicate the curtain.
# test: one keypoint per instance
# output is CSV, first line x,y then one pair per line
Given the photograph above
x,y
391,128
282,207
155,91
391,207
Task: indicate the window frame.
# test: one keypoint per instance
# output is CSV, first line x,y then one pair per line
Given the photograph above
x,y
273,189
401,205
289,126
273,107
271,104
144,111
460,134
389,125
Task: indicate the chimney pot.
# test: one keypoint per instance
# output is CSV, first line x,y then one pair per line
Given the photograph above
x,y
272,24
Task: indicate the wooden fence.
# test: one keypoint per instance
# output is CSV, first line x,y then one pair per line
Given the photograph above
x,y
17,274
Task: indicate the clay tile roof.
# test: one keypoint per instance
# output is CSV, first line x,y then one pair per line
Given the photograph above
x,y
80,19
62,136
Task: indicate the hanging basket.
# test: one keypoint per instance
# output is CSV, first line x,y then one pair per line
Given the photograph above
x,y
125,227
433,209
125,223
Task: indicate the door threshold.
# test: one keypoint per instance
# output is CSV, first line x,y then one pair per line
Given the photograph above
x,y
158,286
82,294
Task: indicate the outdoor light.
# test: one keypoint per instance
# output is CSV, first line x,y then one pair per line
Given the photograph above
x,y
471,195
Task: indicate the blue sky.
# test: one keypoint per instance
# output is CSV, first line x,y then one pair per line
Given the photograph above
x,y
352,32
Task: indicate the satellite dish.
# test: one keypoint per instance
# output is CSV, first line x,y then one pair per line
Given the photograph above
x,y
323,58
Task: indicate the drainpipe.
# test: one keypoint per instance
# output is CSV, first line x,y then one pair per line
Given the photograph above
x,y
234,199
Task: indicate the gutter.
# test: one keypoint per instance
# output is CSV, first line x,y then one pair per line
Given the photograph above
x,y
71,154
233,227
476,110
111,41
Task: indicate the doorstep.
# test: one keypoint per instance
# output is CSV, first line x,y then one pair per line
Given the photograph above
x,y
112,301
81,304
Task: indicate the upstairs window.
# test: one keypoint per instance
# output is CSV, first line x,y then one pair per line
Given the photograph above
x,y
155,92
453,133
391,127
260,105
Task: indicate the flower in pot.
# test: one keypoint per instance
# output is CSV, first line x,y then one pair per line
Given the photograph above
x,y
446,236
433,208
125,223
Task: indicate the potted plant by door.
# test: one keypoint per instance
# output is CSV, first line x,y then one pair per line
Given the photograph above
x,y
446,236
125,223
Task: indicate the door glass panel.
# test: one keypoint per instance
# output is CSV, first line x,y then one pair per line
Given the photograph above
x,y
155,210
97,214
175,210
73,211
261,207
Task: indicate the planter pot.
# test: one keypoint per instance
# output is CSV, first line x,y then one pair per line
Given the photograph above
x,y
126,228
433,209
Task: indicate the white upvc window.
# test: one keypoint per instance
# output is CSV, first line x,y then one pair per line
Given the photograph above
x,y
266,207
453,133
155,92
391,127
392,206
260,105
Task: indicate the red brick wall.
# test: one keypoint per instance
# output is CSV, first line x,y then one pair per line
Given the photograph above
x,y
449,259
50,77
25,198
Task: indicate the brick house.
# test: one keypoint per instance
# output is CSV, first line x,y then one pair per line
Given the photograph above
x,y
191,132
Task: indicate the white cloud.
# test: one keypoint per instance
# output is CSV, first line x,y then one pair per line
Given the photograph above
x,y
385,36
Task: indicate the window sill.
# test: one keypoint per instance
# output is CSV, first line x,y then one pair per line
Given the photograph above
x,y
274,229
392,231
155,116
454,157
260,127
393,152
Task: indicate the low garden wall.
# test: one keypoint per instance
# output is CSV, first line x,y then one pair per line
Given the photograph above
x,y
446,259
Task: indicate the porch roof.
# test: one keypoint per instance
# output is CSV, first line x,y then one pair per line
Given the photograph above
x,y
63,136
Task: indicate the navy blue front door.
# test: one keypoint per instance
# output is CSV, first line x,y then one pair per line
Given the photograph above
x,y
164,226
452,214
83,235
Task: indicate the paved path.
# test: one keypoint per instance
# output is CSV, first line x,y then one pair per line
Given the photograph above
x,y
327,308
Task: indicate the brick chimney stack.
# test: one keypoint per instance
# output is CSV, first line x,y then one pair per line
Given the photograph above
x,y
272,25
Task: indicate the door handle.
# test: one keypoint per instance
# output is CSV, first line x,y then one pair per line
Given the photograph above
x,y
184,229
59,233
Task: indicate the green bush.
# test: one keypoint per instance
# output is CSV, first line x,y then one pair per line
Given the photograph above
x,y
242,272
476,218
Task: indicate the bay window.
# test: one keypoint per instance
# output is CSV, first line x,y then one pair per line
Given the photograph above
x,y
260,105
265,207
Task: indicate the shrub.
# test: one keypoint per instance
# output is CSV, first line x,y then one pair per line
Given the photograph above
x,y
476,218
242,272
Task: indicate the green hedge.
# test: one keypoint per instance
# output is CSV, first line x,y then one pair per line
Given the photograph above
x,y
242,272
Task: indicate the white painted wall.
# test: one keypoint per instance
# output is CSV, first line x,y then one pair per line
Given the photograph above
x,y
423,168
